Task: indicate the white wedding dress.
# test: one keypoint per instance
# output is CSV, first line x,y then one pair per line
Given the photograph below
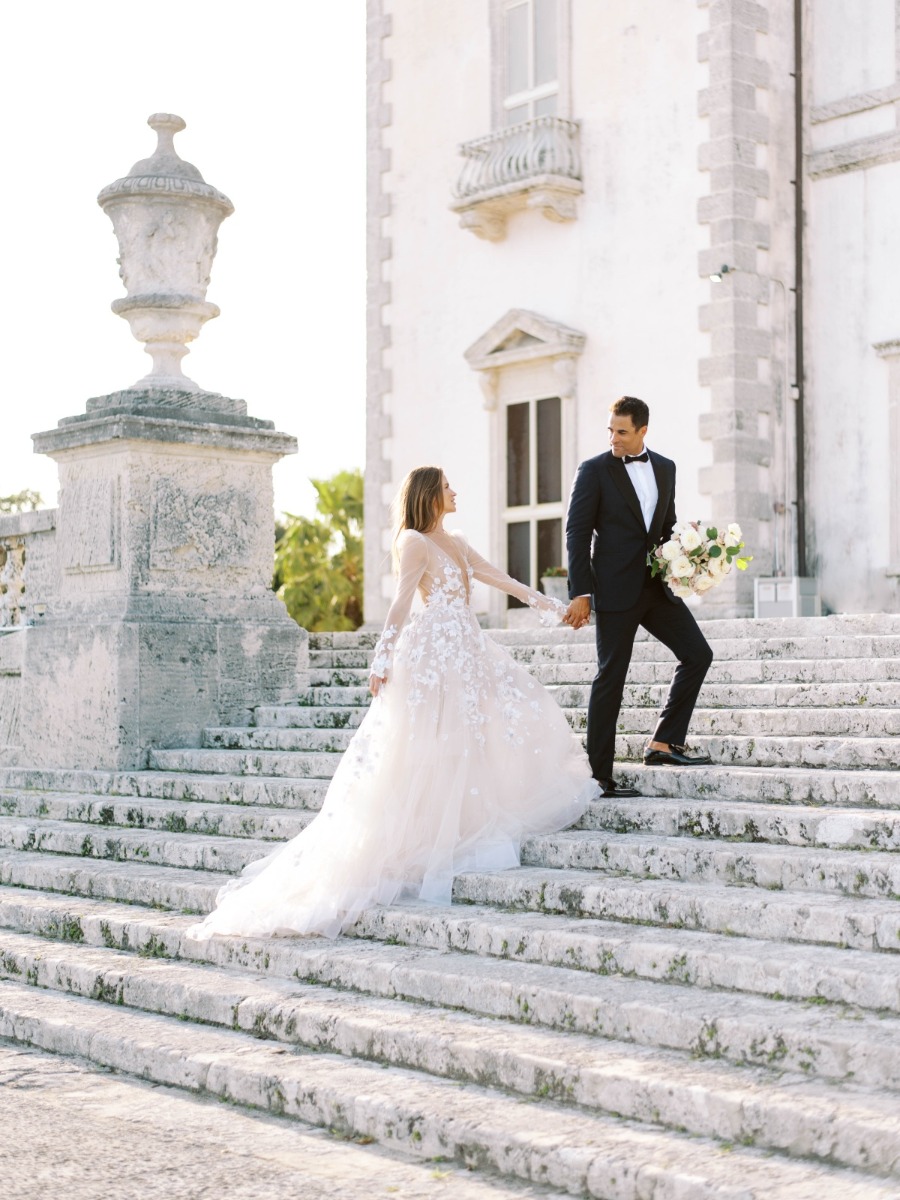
x,y
460,756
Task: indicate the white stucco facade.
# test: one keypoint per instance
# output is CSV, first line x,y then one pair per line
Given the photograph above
x,y
686,129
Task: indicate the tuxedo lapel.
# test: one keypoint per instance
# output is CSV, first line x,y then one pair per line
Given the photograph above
x,y
625,486
663,491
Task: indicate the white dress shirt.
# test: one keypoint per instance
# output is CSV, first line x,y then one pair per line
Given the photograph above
x,y
644,482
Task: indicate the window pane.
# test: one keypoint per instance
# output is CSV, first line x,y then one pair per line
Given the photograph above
x,y
517,455
544,42
517,49
518,556
545,107
549,545
549,451
515,115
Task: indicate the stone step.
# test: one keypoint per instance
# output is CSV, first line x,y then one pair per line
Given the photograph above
x,y
338,677
323,741
836,625
136,883
169,816
573,650
335,697
695,860
167,785
688,859
820,753
748,695
853,921
735,821
778,785
297,716
750,670
580,1152
724,650
400,941
754,912
281,763
837,828
766,722
530,1056
811,670
192,850
69,1119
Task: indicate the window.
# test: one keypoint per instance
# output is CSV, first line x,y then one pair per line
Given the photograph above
x,y
534,483
531,74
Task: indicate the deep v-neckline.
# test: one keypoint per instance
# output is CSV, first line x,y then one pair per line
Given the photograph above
x,y
460,563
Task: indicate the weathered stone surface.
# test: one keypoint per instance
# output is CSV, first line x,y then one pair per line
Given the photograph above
x,y
719,957
49,1104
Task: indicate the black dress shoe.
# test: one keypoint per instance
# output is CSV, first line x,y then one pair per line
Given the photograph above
x,y
609,787
675,756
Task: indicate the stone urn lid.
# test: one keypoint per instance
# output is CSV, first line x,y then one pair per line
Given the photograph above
x,y
165,174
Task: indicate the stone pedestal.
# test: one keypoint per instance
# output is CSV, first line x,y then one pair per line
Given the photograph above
x,y
164,621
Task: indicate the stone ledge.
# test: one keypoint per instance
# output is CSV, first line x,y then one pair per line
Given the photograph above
x,y
94,430
26,523
855,156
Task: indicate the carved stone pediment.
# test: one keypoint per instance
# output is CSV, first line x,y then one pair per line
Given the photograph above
x,y
520,337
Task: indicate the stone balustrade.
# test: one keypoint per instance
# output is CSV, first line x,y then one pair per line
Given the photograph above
x,y
23,537
27,584
543,146
534,165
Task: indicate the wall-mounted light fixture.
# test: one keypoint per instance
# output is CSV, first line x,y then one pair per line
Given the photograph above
x,y
718,276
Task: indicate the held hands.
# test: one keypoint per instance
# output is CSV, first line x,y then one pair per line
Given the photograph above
x,y
578,613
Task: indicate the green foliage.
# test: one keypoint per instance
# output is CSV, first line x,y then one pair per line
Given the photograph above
x,y
24,501
319,560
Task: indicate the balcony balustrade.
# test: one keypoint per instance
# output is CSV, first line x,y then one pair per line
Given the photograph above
x,y
534,165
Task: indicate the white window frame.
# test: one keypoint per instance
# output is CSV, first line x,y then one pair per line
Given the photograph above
x,y
525,357
500,102
533,511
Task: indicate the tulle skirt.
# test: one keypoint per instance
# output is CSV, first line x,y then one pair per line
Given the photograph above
x,y
460,757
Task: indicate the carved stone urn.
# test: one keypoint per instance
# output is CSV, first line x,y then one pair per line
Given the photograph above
x,y
166,219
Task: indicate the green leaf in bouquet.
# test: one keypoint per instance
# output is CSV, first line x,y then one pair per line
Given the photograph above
x,y
695,553
715,551
712,533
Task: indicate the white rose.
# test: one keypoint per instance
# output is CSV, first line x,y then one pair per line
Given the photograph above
x,y
734,530
726,567
682,567
670,551
731,540
691,539
678,528
702,583
716,565
680,589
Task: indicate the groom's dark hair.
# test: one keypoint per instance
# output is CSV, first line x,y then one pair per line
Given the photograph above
x,y
630,406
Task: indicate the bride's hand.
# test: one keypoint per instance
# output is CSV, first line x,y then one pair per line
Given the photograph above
x,y
376,683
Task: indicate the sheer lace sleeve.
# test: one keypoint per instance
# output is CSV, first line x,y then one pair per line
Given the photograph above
x,y
551,611
413,559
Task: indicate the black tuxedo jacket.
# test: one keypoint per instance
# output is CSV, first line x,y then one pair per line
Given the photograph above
x,y
605,535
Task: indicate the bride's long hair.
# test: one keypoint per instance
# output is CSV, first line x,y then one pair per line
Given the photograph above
x,y
418,504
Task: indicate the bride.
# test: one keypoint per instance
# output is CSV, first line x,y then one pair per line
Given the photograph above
x,y
460,756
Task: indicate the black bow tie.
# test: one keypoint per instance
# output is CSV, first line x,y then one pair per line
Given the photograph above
x,y
629,458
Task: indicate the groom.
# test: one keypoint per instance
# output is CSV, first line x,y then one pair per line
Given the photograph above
x,y
622,505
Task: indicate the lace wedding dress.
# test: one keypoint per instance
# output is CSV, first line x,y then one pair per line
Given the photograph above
x,y
460,756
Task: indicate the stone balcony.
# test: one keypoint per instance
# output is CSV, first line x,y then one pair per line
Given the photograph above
x,y
534,165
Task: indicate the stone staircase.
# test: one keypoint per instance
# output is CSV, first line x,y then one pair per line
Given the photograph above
x,y
692,995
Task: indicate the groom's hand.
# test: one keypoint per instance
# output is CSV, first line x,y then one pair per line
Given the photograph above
x,y
578,613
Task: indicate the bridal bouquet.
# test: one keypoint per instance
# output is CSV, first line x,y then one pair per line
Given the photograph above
x,y
692,562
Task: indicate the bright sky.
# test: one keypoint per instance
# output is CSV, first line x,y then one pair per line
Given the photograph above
x,y
273,93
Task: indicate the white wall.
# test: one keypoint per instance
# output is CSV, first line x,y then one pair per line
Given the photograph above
x,y
624,273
